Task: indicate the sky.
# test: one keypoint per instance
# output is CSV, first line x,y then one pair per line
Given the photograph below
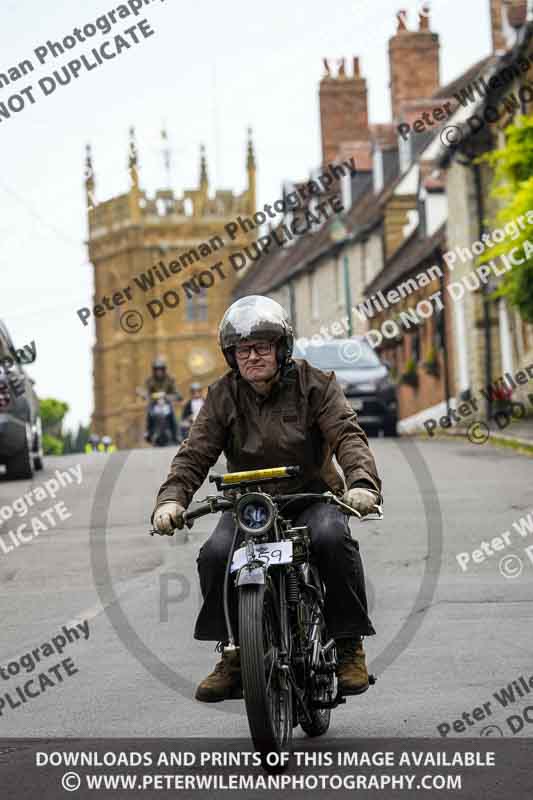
x,y
209,71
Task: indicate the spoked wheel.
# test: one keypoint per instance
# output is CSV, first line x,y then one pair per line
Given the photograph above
x,y
323,684
266,688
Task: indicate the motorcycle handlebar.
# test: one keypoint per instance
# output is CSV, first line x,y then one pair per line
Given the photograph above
x,y
222,504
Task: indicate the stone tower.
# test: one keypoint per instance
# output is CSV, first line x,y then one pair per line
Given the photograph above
x,y
165,249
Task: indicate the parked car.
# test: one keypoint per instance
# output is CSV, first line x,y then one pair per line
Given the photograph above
x,y
21,448
365,379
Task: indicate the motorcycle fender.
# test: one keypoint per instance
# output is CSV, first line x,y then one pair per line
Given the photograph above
x,y
246,576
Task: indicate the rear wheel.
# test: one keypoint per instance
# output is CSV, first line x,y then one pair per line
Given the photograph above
x,y
322,682
266,688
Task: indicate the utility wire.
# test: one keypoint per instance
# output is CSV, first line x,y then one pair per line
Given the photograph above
x,y
31,211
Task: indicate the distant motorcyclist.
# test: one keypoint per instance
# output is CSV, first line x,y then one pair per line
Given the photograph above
x,y
161,381
191,409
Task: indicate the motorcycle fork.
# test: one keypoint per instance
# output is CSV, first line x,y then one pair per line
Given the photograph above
x,y
285,633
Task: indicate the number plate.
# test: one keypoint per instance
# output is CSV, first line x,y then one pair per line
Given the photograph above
x,y
269,553
357,403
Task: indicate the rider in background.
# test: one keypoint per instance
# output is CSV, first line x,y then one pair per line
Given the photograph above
x,y
191,409
271,411
161,381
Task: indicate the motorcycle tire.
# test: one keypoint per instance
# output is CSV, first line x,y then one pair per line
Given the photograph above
x,y
320,718
267,694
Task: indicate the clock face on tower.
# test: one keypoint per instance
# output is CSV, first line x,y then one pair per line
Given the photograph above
x,y
200,361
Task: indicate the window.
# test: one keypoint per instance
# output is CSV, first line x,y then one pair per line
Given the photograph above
x,y
196,307
331,355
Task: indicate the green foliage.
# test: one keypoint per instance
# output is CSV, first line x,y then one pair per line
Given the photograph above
x,y
513,186
410,374
432,357
410,367
431,364
52,446
52,413
75,442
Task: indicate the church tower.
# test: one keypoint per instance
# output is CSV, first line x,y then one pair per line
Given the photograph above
x,y
164,249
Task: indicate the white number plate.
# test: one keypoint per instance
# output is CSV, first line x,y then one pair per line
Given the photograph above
x,y
357,404
269,553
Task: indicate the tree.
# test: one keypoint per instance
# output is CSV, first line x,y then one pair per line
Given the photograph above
x,y
75,441
52,415
52,446
513,185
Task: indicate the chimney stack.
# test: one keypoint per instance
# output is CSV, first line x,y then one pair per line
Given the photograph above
x,y
343,107
414,62
506,17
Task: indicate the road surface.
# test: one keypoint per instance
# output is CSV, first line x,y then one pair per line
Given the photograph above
x,y
448,637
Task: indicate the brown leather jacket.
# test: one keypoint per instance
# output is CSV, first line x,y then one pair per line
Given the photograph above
x,y
165,384
304,421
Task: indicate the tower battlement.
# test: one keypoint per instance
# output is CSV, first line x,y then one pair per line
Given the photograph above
x,y
128,235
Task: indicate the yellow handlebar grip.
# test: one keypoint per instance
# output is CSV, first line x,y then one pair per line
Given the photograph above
x,y
255,475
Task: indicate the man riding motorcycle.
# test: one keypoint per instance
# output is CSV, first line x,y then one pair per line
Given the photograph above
x,y
269,411
161,381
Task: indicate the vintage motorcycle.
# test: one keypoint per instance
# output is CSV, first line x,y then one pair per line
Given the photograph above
x,y
288,661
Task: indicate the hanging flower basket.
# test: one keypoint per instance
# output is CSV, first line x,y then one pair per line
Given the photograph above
x,y
432,365
410,375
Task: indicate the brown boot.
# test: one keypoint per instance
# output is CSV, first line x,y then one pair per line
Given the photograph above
x,y
224,683
351,670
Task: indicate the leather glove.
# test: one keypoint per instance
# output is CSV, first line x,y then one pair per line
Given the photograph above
x,y
361,500
168,516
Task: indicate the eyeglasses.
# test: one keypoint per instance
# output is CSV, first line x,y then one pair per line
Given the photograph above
x,y
260,348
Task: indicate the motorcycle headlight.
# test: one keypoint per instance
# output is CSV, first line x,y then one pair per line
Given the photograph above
x,y
255,513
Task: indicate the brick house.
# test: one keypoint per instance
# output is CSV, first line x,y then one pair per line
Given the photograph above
x,y
489,338
411,200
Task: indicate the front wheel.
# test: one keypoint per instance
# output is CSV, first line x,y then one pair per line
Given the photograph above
x,y
266,686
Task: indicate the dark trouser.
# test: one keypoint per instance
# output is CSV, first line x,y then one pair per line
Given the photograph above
x,y
336,555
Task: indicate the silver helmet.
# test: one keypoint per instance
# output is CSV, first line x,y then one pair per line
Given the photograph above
x,y
256,317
